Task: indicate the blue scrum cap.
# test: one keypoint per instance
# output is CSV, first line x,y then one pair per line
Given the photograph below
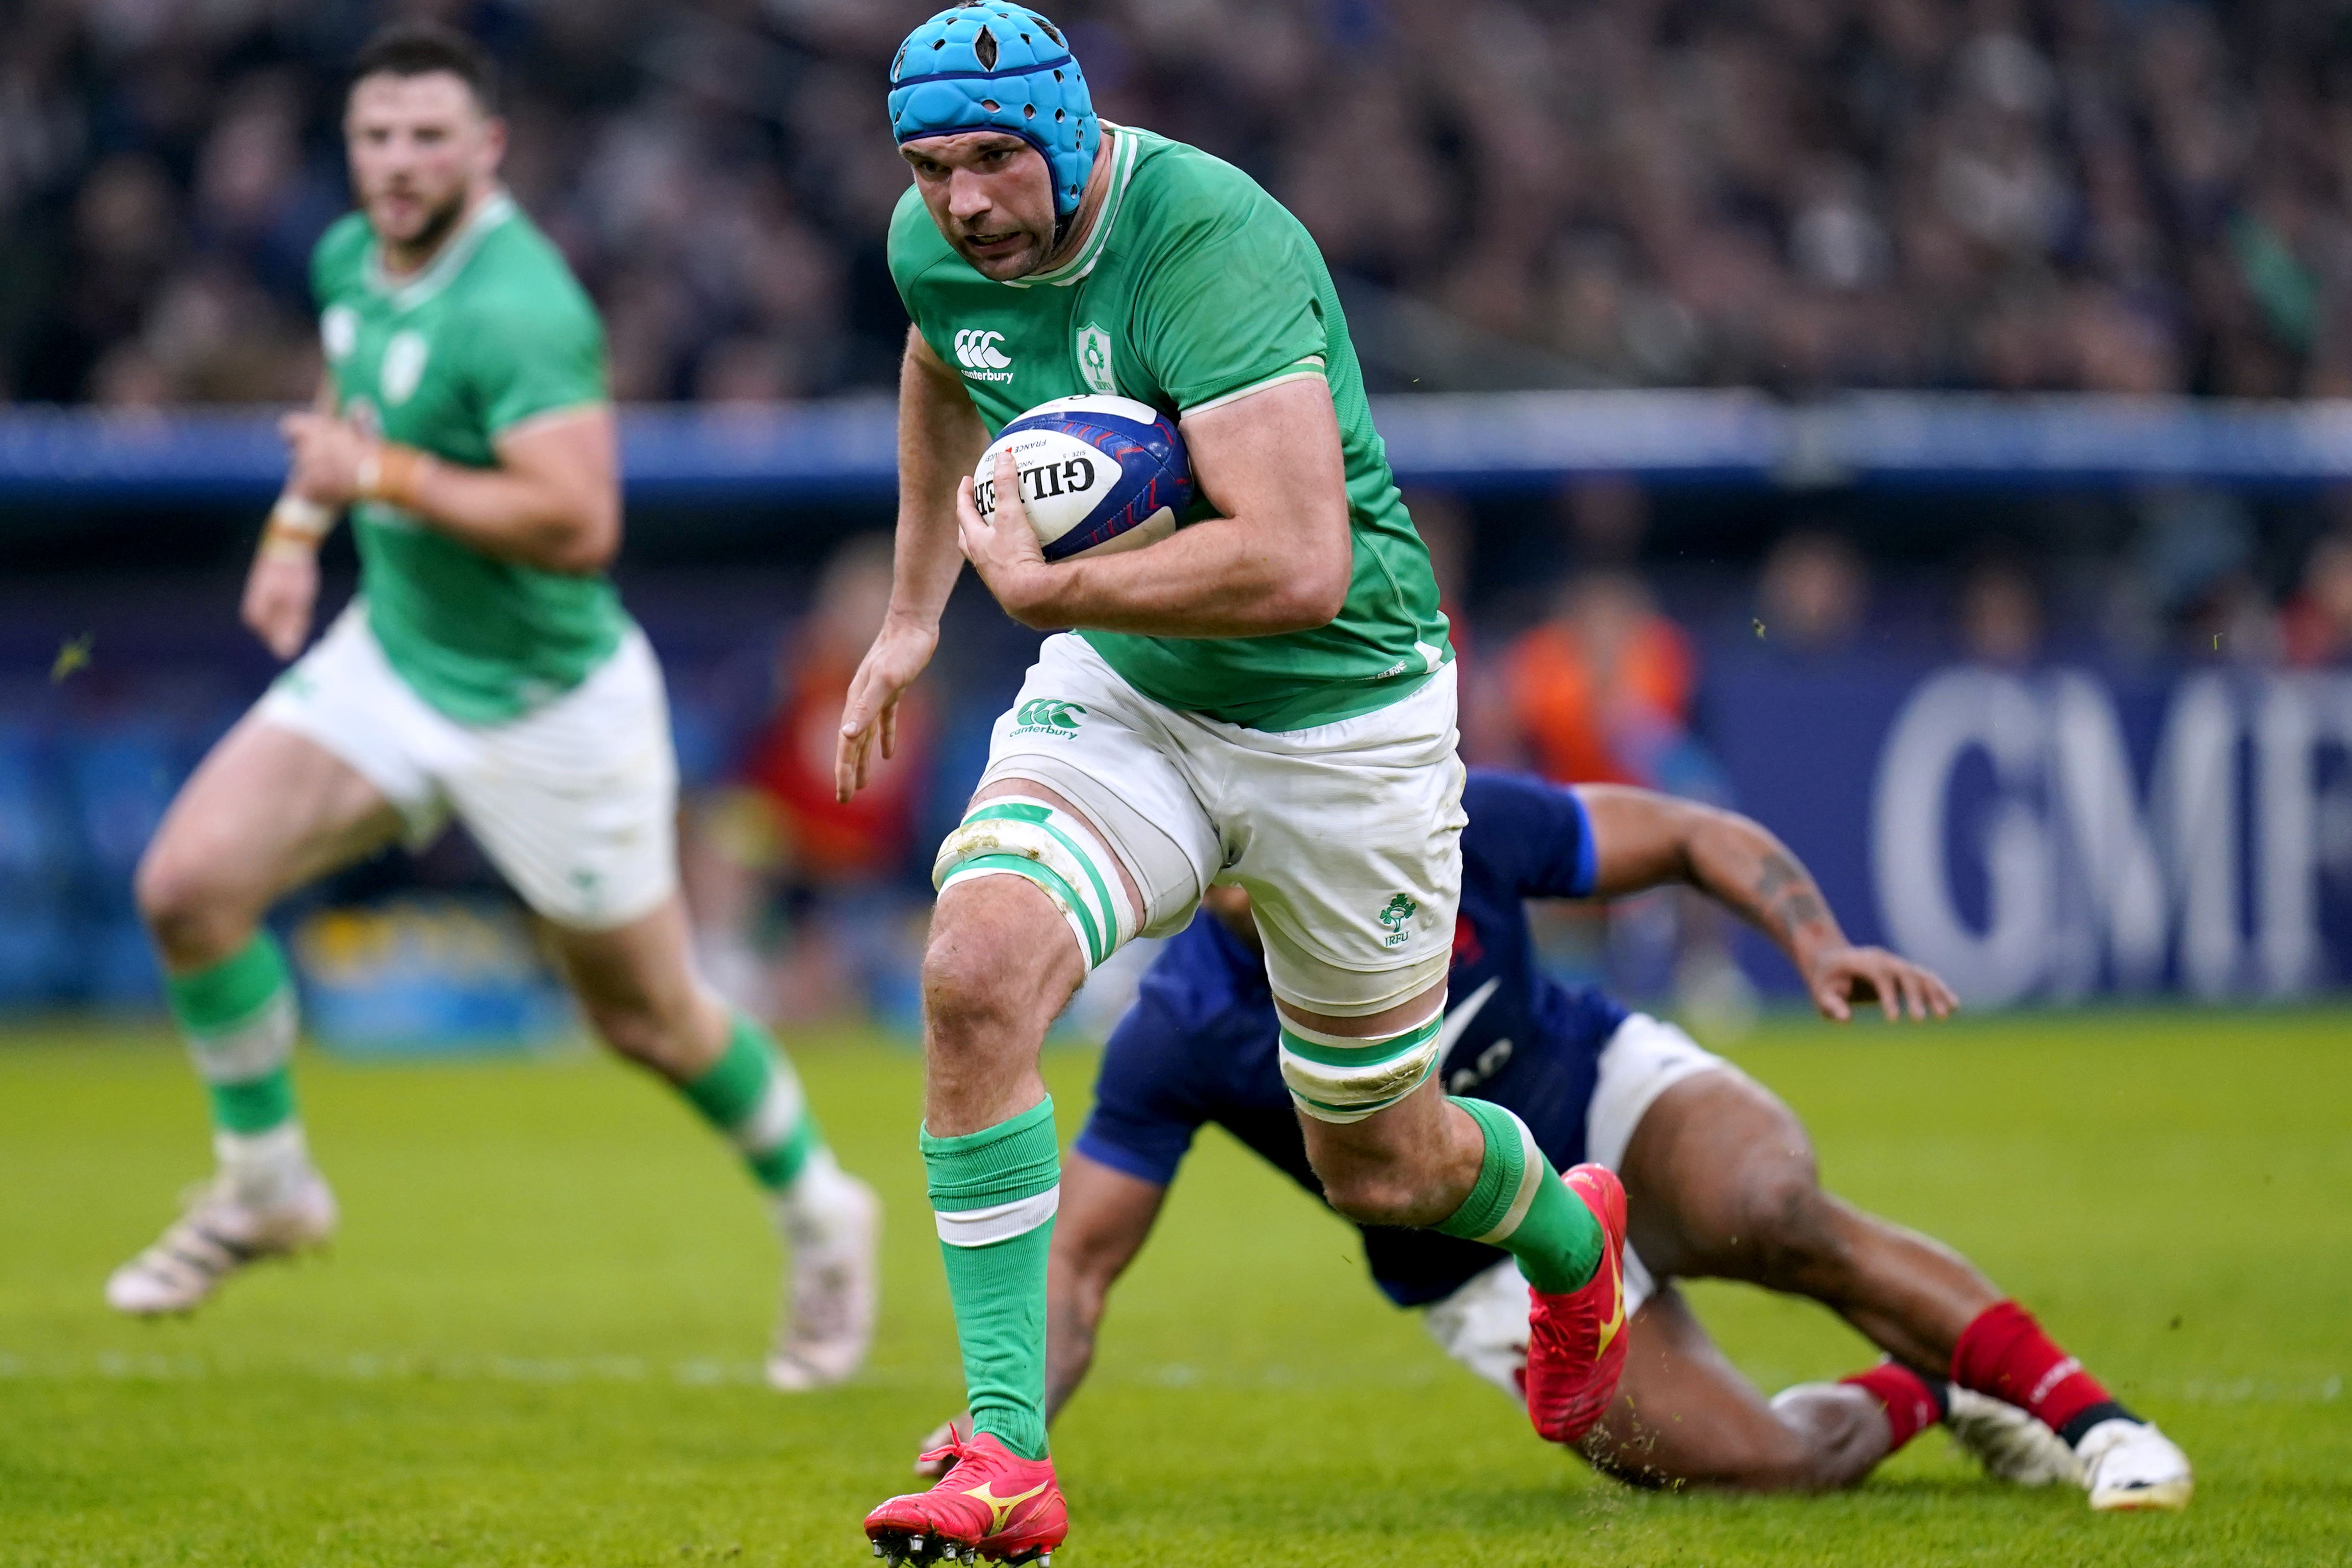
x,y
987,65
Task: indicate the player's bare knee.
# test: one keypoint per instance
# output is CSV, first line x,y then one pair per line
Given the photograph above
x,y
988,972
193,915
964,985
1799,1242
1838,1435
1376,1195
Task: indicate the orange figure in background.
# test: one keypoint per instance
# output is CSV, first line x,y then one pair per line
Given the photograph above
x,y
795,894
1602,690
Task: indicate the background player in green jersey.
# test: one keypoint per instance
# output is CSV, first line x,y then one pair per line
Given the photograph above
x,y
1265,698
488,672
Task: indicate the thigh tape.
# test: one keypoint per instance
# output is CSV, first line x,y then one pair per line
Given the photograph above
x,y
1337,1078
1013,837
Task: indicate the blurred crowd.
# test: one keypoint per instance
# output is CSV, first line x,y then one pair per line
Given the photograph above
x,y
1798,194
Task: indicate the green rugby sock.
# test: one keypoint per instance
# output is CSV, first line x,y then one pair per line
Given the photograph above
x,y
993,1194
751,1094
238,1017
1520,1205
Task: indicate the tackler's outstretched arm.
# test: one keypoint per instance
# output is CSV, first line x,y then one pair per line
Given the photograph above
x,y
1644,839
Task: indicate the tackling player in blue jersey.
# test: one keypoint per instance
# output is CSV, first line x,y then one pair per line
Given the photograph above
x,y
1720,1173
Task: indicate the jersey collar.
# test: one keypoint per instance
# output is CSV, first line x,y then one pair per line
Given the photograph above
x,y
1126,146
458,249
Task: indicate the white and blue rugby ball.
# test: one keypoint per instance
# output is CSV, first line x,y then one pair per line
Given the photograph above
x,y
1099,475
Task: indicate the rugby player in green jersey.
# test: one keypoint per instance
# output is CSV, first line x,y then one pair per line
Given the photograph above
x,y
486,671
1265,698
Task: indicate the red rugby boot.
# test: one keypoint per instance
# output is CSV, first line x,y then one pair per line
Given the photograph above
x,y
992,1503
1576,1342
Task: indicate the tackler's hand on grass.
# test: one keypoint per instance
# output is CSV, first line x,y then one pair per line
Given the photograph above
x,y
1004,550
958,1430
1841,977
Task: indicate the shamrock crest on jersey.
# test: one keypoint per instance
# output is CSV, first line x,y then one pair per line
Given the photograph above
x,y
1093,360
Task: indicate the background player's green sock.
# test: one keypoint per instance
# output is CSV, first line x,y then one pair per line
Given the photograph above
x,y
238,1017
1520,1205
751,1094
993,1194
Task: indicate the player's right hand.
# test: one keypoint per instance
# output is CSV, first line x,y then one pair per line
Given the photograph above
x,y
1841,977
900,651
959,1430
279,594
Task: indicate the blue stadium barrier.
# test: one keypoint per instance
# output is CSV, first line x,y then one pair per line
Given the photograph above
x,y
845,450
38,961
2063,832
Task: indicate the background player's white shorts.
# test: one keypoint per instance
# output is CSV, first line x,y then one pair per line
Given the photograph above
x,y
576,802
1484,1324
1347,835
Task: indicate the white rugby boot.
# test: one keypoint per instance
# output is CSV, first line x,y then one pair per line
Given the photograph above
x,y
2010,1445
835,1235
2128,1465
222,1230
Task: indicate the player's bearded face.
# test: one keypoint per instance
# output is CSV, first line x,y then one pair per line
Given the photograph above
x,y
992,197
420,149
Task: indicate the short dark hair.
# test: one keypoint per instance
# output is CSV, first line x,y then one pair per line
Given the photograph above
x,y
420,49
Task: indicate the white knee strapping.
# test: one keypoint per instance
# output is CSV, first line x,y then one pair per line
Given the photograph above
x,y
1342,1078
1012,836
1170,876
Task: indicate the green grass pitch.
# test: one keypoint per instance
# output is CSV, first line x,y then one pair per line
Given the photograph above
x,y
537,1341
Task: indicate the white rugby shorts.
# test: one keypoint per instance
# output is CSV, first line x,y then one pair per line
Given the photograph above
x,y
1483,1324
1347,836
576,802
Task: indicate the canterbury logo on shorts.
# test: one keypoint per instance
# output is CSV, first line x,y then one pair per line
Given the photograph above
x,y
1046,716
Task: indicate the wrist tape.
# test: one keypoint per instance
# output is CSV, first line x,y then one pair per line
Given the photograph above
x,y
295,527
390,472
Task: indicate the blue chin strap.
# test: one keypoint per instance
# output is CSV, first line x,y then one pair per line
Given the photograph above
x,y
987,65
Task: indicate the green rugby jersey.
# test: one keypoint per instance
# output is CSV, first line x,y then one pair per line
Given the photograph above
x,y
1196,288
493,331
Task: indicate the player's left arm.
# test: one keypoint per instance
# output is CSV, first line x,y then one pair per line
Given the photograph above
x,y
1644,839
554,499
1278,559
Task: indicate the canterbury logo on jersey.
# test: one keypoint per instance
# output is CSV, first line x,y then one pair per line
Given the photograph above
x,y
976,350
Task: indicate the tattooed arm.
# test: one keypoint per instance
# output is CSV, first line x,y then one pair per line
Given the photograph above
x,y
1643,839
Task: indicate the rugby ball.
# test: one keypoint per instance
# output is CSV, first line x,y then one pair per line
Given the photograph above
x,y
1099,475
